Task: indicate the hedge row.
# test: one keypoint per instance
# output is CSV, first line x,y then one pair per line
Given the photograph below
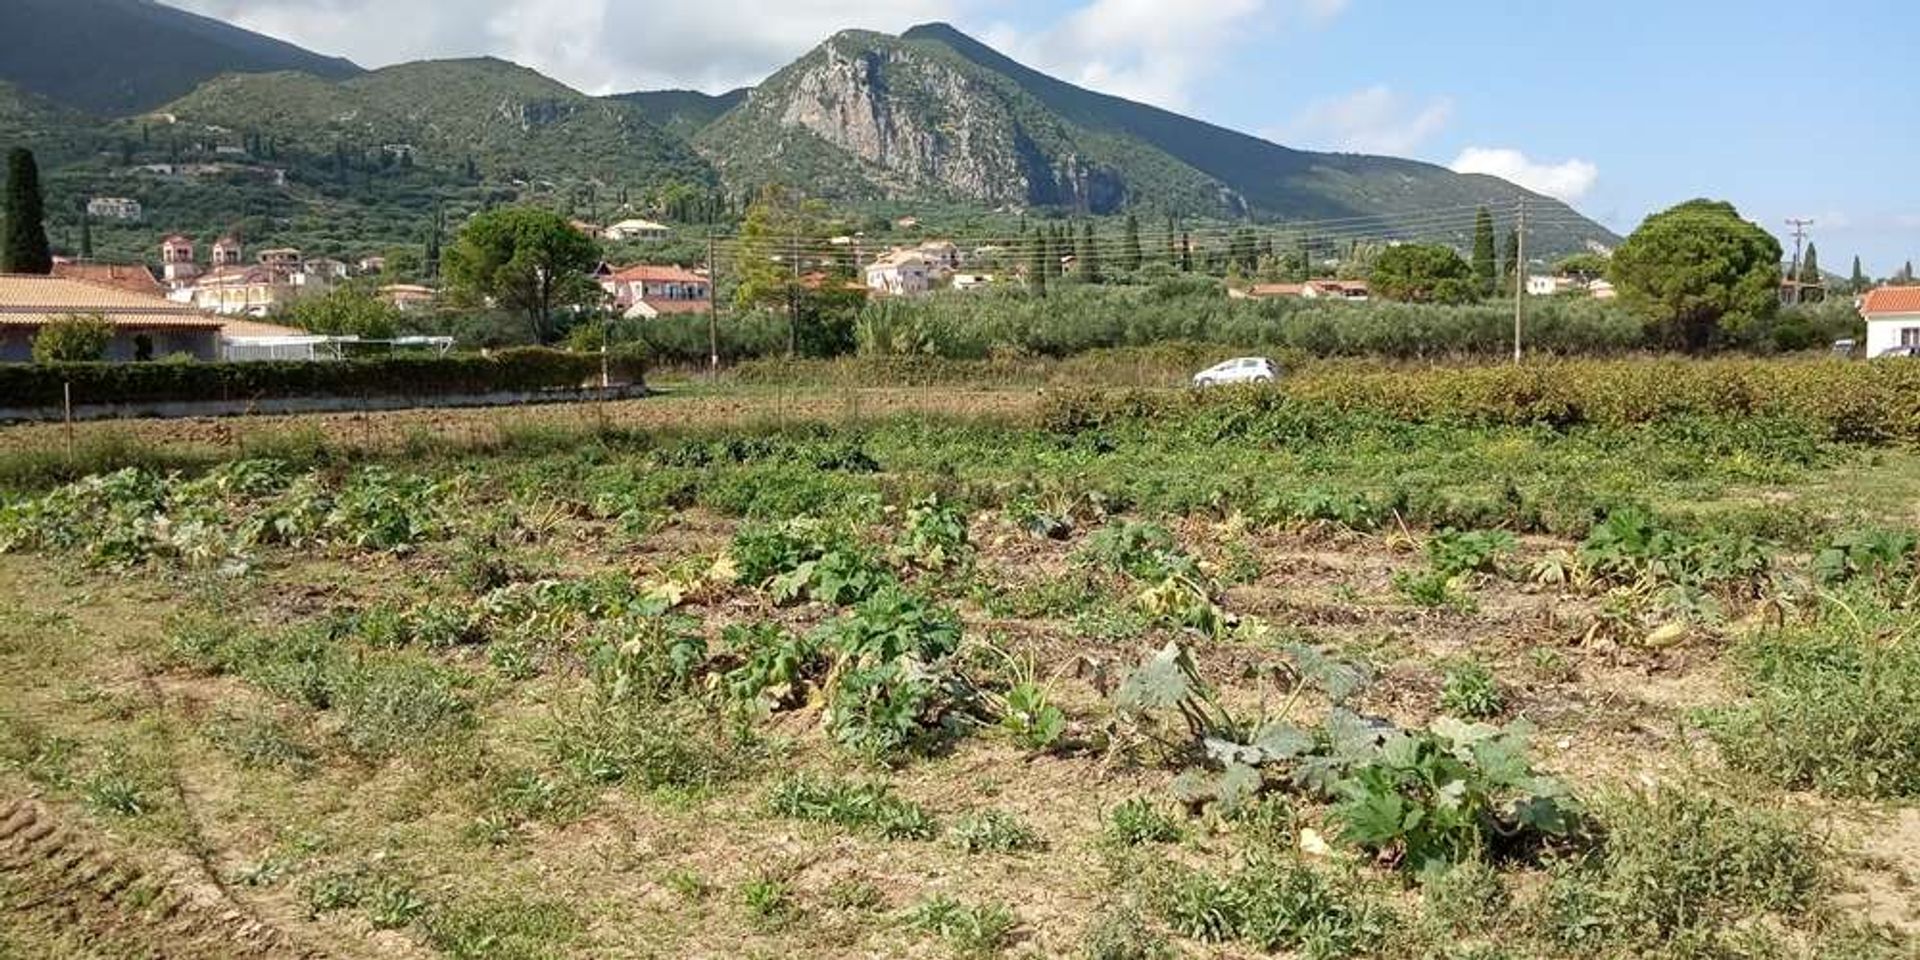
x,y
1869,402
524,370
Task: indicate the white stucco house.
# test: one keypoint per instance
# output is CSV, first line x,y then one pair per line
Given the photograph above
x,y
1893,319
900,274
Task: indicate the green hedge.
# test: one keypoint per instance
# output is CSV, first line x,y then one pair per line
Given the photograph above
x,y
1858,401
41,385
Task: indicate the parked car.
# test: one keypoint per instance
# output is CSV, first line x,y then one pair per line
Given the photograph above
x,y
1240,370
1900,351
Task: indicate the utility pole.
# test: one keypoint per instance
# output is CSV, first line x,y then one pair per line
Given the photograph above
x,y
1799,242
1519,278
793,299
713,308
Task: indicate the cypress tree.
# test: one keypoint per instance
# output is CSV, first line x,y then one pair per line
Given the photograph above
x,y
1130,252
25,248
86,234
1037,264
1510,266
1859,281
1486,268
1186,252
1089,255
1810,267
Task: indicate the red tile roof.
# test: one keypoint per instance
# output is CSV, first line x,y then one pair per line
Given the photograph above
x,y
129,277
1889,301
649,273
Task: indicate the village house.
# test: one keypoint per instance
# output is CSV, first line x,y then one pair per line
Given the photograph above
x,y
239,291
408,297
1893,320
902,273
1351,290
642,230
114,208
145,327
372,265
1539,285
647,291
1269,291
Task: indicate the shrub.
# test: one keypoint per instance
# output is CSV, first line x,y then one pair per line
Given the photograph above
x,y
1470,691
1138,821
972,930
994,831
526,370
73,339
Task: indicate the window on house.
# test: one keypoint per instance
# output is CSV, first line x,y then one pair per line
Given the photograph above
x,y
1910,337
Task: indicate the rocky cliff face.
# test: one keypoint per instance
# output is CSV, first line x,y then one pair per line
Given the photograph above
x,y
918,120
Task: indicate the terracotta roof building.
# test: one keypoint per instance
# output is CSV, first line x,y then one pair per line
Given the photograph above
x,y
648,290
145,327
1893,321
133,278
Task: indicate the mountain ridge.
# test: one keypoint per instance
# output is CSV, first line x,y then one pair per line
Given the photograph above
x,y
160,53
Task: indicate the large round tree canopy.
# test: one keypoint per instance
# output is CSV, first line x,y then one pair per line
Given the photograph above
x,y
1698,269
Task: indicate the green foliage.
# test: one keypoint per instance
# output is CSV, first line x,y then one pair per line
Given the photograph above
x,y
648,655
502,928
934,536
972,930
1122,934
1881,557
351,310
1423,273
897,690
1138,821
1470,691
776,666
75,338
1143,550
1486,261
41,385
769,901
23,247
1275,905
994,831
1683,866
1833,705
869,806
527,260
1031,718
1454,553
1697,270
1433,798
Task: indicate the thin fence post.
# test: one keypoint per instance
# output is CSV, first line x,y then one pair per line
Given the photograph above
x,y
66,403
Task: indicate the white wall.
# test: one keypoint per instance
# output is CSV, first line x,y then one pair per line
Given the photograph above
x,y
1884,334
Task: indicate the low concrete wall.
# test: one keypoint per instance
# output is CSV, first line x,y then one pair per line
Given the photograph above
x,y
177,409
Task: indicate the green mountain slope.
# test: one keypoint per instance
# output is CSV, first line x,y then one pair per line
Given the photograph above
x,y
511,122
936,114
115,57
682,113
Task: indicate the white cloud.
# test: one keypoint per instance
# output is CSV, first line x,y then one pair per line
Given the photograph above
x,y
1568,181
1374,120
599,46
1149,50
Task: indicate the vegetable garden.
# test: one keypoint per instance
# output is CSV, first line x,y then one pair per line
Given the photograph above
x,y
1479,664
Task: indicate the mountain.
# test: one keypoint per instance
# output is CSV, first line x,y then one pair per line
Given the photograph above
x,y
512,122
115,57
934,112
682,112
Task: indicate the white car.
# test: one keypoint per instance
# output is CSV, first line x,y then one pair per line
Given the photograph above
x,y
1242,370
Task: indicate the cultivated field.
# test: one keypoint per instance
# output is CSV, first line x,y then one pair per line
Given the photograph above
x,y
1461,664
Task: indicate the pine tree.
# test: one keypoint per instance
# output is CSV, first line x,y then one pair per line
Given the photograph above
x,y
1089,255
1130,250
25,248
1486,266
1510,264
1858,282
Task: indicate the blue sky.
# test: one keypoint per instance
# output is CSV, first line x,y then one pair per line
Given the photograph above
x,y
1786,109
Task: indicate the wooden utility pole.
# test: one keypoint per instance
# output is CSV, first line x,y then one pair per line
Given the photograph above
x,y
1799,244
1519,278
713,309
793,299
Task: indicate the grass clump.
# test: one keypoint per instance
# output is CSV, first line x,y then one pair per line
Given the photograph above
x,y
502,928
1683,867
868,807
1833,706
995,831
1122,934
971,930
1138,821
1471,692
1274,905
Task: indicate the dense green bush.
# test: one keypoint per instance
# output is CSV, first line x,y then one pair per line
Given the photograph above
x,y
1860,402
41,385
